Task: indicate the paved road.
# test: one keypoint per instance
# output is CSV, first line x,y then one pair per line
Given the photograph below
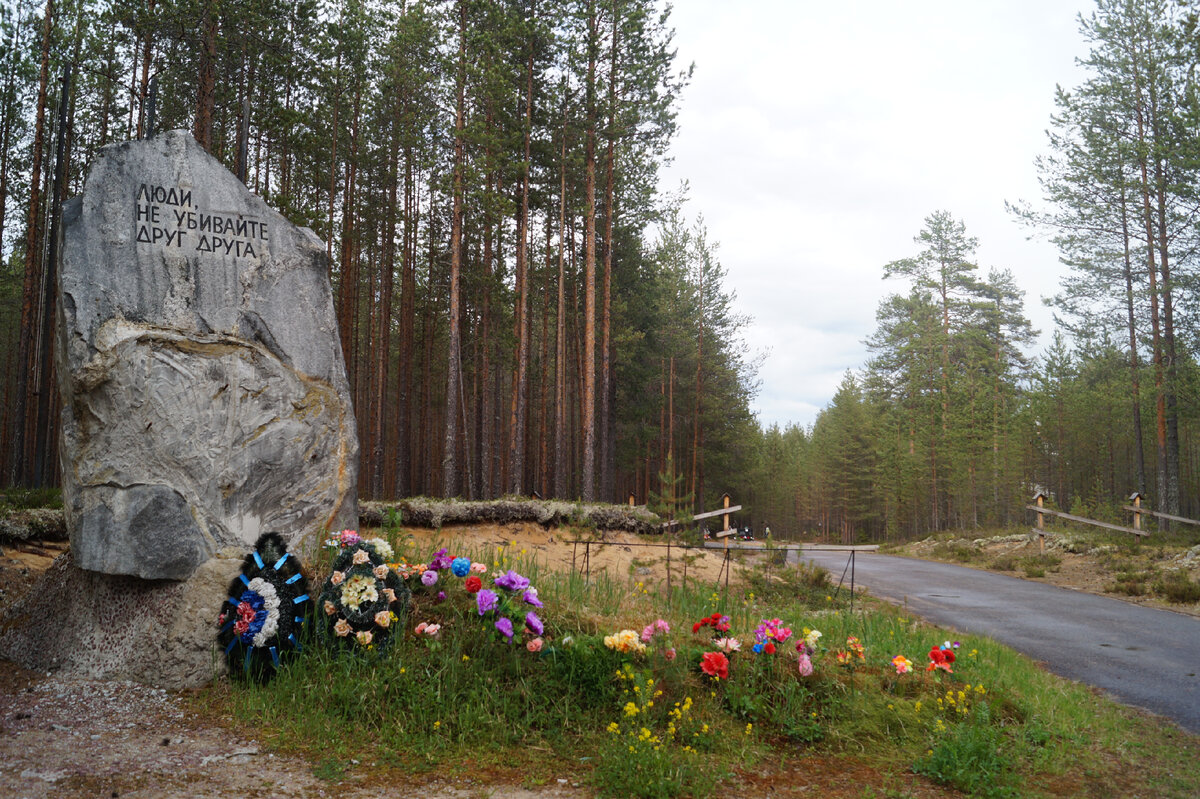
x,y
1141,656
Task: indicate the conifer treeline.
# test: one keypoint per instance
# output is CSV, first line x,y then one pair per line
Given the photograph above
x,y
484,174
521,313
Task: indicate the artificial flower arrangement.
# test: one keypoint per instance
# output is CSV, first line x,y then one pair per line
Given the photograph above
x,y
806,648
626,642
657,634
942,657
853,651
718,623
768,635
363,600
262,620
502,607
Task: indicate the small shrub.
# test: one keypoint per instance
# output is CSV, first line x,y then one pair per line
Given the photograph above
x,y
1177,587
1128,586
1004,563
955,551
655,750
967,757
1038,565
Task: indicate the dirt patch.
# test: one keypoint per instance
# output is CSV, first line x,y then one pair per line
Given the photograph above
x,y
623,557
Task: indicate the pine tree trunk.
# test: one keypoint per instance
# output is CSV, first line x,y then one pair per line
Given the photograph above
x,y
560,325
206,80
516,448
606,426
19,469
1139,454
450,465
588,366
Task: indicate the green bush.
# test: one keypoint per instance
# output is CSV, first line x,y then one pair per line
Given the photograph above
x,y
967,757
1177,587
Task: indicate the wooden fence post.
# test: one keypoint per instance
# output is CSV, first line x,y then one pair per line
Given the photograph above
x,y
1137,514
1038,497
725,502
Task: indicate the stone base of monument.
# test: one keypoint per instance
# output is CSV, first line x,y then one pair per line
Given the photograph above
x,y
116,627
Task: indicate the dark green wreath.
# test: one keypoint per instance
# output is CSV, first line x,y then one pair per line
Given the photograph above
x,y
363,601
263,618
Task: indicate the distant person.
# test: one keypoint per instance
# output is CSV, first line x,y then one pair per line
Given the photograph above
x,y
767,531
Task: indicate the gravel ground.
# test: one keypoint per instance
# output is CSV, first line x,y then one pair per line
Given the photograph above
x,y
63,737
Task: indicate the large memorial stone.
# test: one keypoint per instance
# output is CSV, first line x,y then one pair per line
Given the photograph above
x,y
205,394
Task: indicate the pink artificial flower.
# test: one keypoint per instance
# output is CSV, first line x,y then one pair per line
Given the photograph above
x,y
361,556
337,577
330,608
380,572
349,537
478,568
383,618
342,628
364,637
421,627
535,645
669,654
806,666
433,629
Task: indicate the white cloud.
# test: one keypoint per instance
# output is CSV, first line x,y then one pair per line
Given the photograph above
x,y
817,138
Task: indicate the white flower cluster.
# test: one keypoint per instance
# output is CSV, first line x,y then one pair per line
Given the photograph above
x,y
382,548
271,603
358,589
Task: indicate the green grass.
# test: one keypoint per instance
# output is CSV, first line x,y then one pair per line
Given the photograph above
x,y
997,726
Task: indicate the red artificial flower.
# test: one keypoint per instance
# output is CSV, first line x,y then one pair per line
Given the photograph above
x,y
949,654
715,617
722,628
715,664
769,648
696,627
938,660
473,584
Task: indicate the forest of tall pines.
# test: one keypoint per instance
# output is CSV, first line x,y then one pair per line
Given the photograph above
x,y
523,311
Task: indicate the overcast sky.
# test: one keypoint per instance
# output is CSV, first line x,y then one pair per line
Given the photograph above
x,y
817,137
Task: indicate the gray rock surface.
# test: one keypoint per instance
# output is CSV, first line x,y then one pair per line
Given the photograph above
x,y
206,399
114,627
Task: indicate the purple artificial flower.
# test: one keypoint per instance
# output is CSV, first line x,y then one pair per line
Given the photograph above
x,y
485,600
531,597
440,560
429,577
441,596
504,625
511,581
534,623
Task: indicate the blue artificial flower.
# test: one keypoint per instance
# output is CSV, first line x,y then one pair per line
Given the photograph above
x,y
758,648
460,567
256,604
